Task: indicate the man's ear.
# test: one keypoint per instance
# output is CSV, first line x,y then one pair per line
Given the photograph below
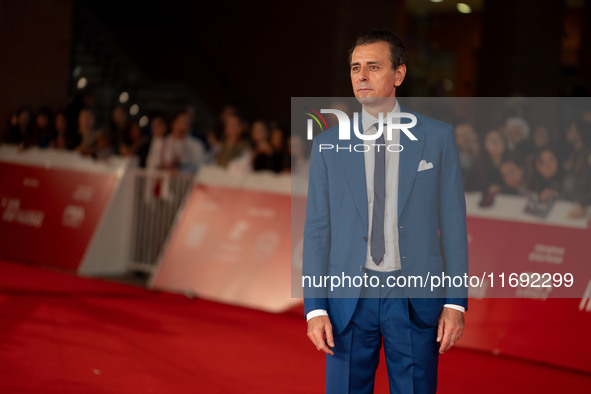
x,y
400,74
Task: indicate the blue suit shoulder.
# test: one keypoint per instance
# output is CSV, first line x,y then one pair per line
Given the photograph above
x,y
329,136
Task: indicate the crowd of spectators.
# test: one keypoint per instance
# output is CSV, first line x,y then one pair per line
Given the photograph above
x,y
44,129
510,159
514,159
173,143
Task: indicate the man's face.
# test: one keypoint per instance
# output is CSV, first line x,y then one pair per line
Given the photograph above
x,y
61,123
158,127
512,174
372,74
494,143
259,131
514,133
180,126
85,120
547,165
463,133
42,120
572,134
119,115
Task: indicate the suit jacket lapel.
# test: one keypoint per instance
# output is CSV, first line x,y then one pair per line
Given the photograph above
x,y
354,167
409,161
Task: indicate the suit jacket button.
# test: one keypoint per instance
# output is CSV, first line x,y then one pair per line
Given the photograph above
x,y
365,239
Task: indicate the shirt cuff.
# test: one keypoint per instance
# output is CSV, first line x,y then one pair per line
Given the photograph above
x,y
452,306
315,313
322,312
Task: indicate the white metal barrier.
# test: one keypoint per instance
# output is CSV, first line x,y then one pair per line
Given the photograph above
x,y
158,196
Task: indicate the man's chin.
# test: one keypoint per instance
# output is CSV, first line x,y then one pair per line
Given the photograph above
x,y
372,100
365,99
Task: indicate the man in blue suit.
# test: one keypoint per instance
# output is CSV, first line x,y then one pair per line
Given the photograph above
x,y
384,214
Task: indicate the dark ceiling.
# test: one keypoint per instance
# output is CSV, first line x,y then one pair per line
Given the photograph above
x,y
259,54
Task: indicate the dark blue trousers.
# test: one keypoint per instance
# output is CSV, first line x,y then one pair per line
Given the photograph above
x,y
410,347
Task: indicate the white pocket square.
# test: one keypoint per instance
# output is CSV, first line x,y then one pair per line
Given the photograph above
x,y
423,165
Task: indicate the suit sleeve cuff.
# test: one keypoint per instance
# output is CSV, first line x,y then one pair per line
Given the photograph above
x,y
452,306
315,313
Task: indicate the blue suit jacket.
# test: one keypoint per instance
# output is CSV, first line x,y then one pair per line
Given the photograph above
x,y
431,219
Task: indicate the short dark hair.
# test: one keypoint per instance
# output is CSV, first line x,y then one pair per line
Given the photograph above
x,y
397,48
584,129
512,158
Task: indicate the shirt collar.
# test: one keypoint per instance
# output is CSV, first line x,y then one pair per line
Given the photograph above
x,y
368,120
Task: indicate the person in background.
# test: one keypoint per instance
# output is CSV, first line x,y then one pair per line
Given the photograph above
x,y
43,129
11,124
135,144
227,111
540,137
191,112
119,125
485,175
516,133
514,180
61,137
157,186
84,99
20,132
547,178
182,152
300,164
233,145
87,132
194,127
280,156
214,141
540,140
104,148
468,147
159,129
578,138
262,153
582,193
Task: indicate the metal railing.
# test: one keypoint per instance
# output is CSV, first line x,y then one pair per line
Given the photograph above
x,y
157,198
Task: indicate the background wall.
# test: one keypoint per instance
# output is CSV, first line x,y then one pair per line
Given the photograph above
x,y
35,50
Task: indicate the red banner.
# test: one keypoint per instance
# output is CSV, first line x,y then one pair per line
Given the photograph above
x,y
48,216
231,245
528,260
531,323
554,331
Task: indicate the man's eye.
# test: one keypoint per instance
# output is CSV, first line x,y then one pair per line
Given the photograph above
x,y
374,68
355,69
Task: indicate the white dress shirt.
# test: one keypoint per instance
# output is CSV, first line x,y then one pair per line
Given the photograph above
x,y
187,151
391,260
155,157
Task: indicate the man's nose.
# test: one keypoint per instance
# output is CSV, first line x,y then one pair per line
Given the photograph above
x,y
362,76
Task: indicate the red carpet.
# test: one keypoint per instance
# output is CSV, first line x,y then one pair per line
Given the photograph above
x,y
65,334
